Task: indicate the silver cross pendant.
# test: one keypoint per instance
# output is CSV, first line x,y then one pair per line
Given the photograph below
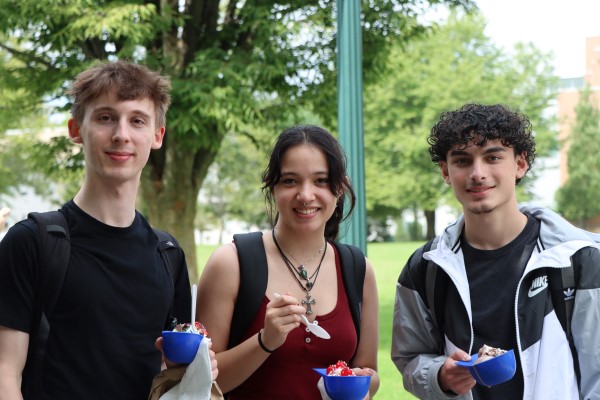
x,y
309,302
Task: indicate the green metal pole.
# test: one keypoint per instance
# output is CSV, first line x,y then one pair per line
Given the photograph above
x,y
350,113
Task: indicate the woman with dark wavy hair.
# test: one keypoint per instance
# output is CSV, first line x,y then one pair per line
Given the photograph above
x,y
306,190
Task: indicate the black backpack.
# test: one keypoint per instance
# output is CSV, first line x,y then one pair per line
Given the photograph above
x,y
54,249
253,281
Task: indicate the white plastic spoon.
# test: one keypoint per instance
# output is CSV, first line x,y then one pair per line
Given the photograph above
x,y
313,327
193,319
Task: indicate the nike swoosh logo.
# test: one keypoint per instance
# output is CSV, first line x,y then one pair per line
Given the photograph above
x,y
533,292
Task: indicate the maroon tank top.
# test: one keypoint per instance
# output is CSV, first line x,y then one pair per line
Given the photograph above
x,y
288,371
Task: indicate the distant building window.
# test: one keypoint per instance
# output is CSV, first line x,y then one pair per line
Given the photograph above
x,y
572,83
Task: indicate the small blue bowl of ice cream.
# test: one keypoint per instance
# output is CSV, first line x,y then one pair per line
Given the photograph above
x,y
181,344
345,387
491,366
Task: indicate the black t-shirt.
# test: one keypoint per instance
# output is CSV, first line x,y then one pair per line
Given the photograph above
x,y
493,278
113,305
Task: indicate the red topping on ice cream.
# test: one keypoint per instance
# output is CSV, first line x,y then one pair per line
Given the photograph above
x,y
340,368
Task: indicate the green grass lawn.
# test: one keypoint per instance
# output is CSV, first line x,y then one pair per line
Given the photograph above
x,y
388,259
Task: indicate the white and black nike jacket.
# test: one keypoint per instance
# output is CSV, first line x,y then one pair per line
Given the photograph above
x,y
546,359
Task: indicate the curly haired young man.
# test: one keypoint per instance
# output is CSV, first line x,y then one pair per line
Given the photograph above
x,y
493,267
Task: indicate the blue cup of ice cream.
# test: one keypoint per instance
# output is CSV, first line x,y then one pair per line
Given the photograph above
x,y
345,387
181,347
490,370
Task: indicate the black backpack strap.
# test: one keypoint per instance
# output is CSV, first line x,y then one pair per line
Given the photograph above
x,y
569,287
171,259
53,255
253,283
568,284
353,266
171,254
54,250
430,276
435,291
563,287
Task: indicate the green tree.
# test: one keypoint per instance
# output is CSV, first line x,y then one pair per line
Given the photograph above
x,y
16,109
577,199
234,65
24,162
231,189
20,120
442,71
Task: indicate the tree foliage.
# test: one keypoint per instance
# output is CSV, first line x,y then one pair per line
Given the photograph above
x,y
577,199
441,71
47,165
232,189
234,65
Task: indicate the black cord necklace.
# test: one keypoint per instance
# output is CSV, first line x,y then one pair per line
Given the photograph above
x,y
308,301
302,271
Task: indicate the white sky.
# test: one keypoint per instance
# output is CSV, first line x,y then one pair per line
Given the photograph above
x,y
557,26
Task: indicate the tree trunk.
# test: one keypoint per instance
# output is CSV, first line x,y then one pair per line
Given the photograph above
x,y
416,233
222,223
430,218
169,190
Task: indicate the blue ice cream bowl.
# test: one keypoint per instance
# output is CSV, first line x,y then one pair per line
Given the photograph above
x,y
494,371
181,347
345,387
